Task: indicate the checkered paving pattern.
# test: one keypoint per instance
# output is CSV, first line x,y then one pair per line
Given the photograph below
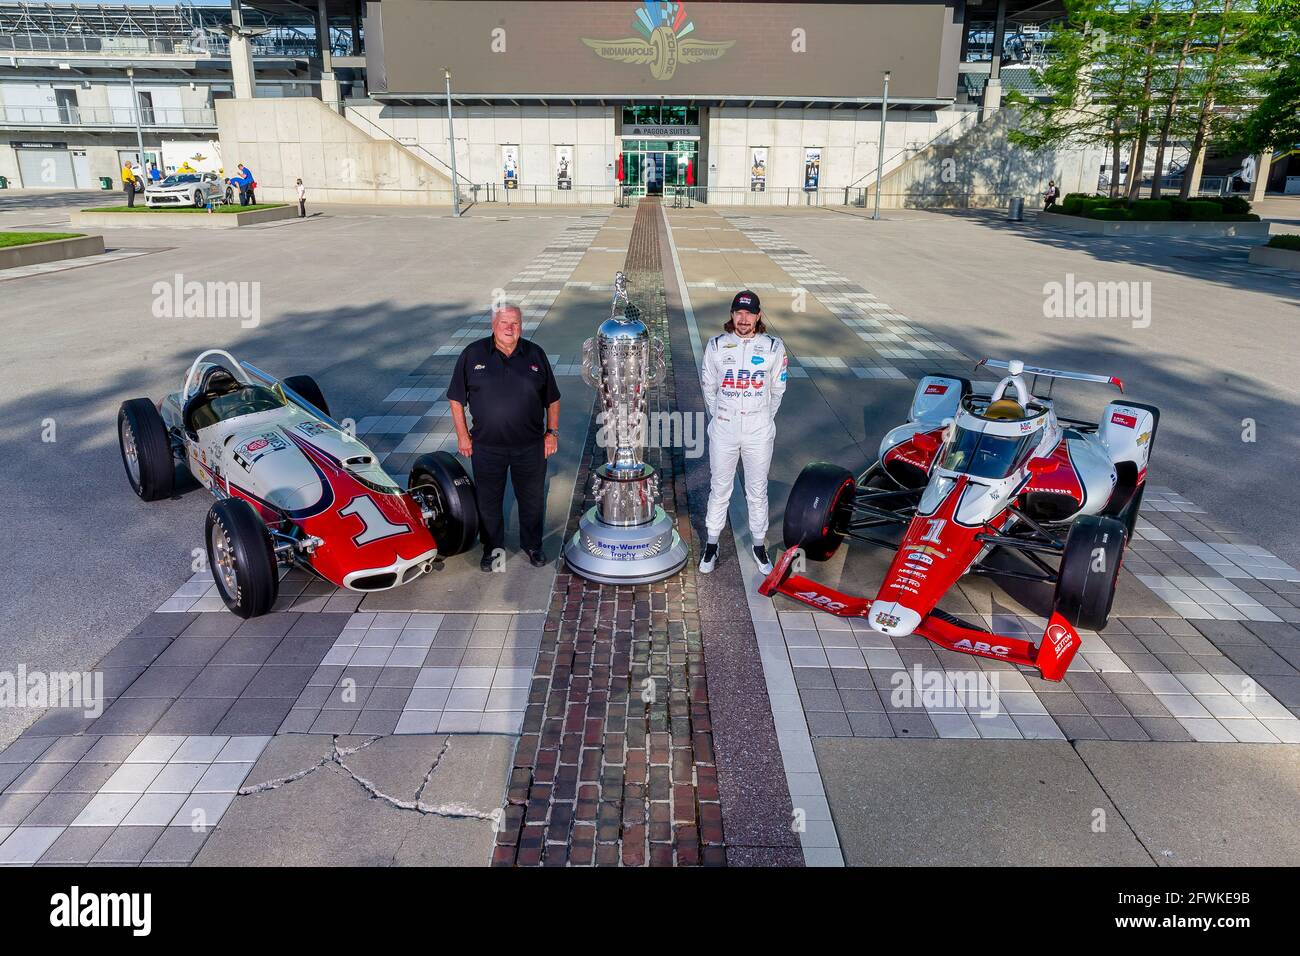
x,y
420,673
887,333
417,418
118,800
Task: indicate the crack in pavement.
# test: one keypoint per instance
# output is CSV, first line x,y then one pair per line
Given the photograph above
x,y
335,758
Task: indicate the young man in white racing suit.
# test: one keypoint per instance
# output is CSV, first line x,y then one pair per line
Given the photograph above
x,y
743,379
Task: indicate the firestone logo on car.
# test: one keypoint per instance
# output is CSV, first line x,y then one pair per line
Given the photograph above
x,y
936,389
1119,418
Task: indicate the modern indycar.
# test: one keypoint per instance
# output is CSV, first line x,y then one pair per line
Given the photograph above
x,y
294,488
981,468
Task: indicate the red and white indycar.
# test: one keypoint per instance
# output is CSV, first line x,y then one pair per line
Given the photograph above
x,y
293,486
981,468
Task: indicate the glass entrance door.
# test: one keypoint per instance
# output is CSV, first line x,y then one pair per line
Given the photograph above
x,y
653,167
654,174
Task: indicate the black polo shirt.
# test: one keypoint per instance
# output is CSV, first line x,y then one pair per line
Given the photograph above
x,y
508,396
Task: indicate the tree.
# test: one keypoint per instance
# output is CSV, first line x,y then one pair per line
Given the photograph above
x,y
1273,36
1188,32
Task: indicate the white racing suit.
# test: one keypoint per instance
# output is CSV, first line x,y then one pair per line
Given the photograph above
x,y
743,381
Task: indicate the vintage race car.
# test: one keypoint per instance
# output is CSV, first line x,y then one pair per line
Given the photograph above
x,y
976,471
293,487
189,189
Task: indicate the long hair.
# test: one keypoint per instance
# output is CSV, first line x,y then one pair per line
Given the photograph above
x,y
759,327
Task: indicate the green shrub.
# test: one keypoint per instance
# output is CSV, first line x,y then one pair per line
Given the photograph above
x,y
1072,205
1152,210
1285,242
1110,213
1200,209
1235,205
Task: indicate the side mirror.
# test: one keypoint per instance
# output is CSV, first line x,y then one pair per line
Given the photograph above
x,y
926,443
1040,466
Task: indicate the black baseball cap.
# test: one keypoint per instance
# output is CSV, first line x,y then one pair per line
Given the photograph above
x,y
745,301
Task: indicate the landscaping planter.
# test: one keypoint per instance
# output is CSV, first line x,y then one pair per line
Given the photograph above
x,y
198,220
35,253
1276,258
1203,229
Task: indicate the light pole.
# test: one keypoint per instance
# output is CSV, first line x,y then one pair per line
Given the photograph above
x,y
451,145
880,151
135,103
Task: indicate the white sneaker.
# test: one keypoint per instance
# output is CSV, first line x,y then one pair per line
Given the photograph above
x,y
760,556
709,560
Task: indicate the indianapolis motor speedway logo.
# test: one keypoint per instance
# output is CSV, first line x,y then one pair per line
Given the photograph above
x,y
663,41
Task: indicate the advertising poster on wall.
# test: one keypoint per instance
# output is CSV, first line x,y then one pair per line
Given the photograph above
x,y
812,168
564,167
510,166
758,169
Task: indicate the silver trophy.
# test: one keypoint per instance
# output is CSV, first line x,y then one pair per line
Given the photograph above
x,y
626,538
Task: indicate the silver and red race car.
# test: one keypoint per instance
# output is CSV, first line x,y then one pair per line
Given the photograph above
x,y
981,468
293,487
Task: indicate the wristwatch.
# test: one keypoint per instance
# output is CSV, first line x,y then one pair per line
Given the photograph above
x,y
553,431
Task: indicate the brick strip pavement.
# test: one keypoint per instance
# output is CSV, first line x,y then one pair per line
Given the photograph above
x,y
615,765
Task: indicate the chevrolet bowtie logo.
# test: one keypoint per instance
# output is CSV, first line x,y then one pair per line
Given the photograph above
x,y
662,44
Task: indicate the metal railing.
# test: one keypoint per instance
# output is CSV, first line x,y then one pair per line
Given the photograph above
x,y
33,117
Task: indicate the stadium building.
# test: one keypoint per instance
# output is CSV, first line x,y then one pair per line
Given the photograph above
x,y
554,101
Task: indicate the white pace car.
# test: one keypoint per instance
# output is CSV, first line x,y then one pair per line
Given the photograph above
x,y
189,189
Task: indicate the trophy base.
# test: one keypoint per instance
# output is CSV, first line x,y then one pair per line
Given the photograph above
x,y
610,554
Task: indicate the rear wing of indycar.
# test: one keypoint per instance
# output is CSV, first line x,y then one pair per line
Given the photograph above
x,y
1050,657
1016,367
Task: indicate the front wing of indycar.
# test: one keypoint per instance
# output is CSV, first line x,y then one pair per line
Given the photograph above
x,y
1050,657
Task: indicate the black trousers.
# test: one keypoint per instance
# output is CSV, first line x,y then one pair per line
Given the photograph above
x,y
129,188
526,466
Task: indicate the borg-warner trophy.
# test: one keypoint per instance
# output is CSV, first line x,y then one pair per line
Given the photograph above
x,y
626,538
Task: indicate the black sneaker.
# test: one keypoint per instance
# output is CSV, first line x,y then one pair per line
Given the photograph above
x,y
709,560
537,558
764,562
485,563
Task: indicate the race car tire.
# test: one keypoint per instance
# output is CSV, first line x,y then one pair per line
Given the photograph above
x,y
818,509
442,477
306,386
146,450
1085,585
241,558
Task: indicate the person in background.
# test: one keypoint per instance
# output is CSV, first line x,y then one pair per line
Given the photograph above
x,y
128,184
302,200
154,174
1049,197
244,180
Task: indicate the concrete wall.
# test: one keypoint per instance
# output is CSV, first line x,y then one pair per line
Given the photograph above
x,y
982,169
482,131
848,139
281,140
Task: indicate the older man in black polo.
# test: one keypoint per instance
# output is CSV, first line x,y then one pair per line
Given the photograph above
x,y
510,389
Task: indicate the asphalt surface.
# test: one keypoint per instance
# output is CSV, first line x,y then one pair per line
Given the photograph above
x,y
354,297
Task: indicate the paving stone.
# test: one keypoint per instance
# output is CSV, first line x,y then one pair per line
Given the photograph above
x,y
127,845
76,846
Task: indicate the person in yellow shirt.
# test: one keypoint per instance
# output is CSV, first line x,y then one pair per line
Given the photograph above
x,y
128,184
